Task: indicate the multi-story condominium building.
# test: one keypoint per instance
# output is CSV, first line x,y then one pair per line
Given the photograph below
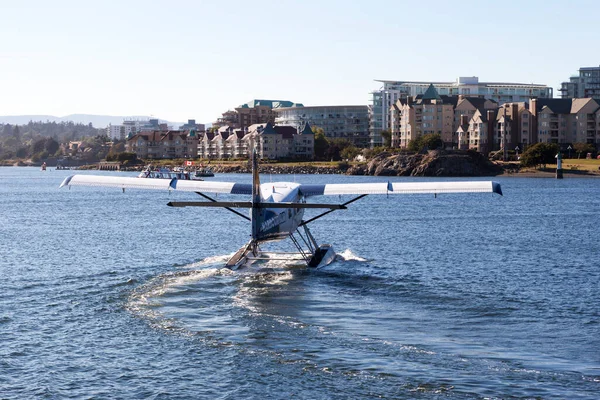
x,y
130,127
565,121
382,99
161,144
192,125
348,122
479,134
514,128
428,113
116,132
586,84
260,111
271,142
434,113
228,118
467,106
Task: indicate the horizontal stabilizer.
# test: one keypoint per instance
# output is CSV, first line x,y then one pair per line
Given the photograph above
x,y
248,204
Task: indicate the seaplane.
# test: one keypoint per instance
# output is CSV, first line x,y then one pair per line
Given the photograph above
x,y
276,210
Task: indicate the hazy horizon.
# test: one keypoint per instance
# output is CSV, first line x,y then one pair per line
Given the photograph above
x,y
189,60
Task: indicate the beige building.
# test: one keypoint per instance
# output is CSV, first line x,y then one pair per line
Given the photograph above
x,y
260,111
161,144
479,135
272,142
565,121
429,113
513,127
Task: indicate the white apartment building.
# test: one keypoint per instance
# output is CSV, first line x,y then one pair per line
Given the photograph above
x,y
348,122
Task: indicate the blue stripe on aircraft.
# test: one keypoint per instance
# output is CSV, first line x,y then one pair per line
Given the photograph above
x,y
312,190
241,188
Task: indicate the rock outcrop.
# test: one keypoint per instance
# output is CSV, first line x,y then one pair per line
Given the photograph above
x,y
434,163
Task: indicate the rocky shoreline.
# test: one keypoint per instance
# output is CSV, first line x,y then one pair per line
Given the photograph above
x,y
431,164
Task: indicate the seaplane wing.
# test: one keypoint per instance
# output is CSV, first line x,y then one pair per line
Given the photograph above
x,y
401,188
277,209
158,184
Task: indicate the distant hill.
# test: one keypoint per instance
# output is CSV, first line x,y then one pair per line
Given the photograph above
x,y
98,121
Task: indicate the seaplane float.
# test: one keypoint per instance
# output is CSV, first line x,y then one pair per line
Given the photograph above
x,y
277,209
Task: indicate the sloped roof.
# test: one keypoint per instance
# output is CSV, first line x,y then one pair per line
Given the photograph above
x,y
557,106
449,99
239,133
170,135
269,103
477,102
286,131
225,128
306,130
578,104
256,127
210,135
431,93
269,130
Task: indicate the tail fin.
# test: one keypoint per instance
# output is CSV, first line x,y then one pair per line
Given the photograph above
x,y
256,197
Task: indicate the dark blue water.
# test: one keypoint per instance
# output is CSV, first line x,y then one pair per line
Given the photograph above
x,y
112,295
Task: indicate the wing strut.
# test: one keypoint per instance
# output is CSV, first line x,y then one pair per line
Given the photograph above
x,y
227,208
327,212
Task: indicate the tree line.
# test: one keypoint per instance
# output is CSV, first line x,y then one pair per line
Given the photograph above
x,y
39,140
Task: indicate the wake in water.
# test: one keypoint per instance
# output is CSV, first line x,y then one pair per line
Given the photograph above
x,y
147,298
348,255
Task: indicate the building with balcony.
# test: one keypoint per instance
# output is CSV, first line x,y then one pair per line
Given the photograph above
x,y
271,141
565,121
585,84
426,114
391,91
434,113
261,111
347,122
163,145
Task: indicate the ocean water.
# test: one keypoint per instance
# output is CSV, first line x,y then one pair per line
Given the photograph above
x,y
105,294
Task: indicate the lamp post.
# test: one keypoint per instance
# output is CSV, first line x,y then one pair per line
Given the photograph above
x,y
569,148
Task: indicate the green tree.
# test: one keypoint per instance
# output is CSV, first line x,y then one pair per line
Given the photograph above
x,y
349,152
583,148
38,146
321,143
22,152
117,147
387,138
430,141
51,146
335,148
539,154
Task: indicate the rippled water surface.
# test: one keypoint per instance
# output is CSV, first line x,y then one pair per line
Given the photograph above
x,y
106,294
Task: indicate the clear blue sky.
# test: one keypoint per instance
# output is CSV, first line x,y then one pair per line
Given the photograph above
x,y
183,59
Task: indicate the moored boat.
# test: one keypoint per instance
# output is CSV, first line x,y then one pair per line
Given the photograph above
x,y
165,173
204,172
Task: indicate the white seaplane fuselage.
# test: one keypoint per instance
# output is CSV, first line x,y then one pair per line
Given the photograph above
x,y
279,223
